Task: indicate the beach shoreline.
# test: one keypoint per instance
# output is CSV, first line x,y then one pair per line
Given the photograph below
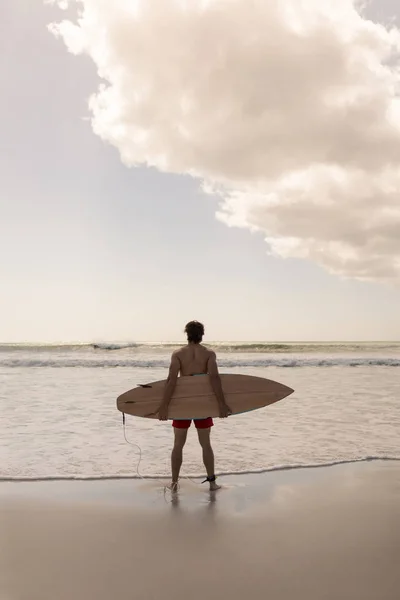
x,y
323,533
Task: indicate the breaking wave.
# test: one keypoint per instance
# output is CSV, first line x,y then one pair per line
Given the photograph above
x,y
114,346
222,347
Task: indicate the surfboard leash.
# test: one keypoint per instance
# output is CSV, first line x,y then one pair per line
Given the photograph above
x,y
133,444
211,479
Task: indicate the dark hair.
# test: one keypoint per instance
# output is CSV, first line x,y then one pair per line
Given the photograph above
x,y
194,331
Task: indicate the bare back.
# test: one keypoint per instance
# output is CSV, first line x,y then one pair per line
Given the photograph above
x,y
193,359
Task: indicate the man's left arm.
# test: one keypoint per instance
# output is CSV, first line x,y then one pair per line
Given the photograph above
x,y
169,389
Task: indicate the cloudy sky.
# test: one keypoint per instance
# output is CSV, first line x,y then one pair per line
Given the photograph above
x,y
233,162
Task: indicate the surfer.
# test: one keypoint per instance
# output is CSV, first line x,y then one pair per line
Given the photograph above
x,y
193,359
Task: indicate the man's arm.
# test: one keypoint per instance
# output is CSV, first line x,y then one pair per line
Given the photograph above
x,y
215,380
169,389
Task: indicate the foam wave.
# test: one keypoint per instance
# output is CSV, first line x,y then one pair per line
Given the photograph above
x,y
109,363
290,467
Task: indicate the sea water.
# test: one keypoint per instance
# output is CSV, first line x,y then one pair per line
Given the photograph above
x,y
59,417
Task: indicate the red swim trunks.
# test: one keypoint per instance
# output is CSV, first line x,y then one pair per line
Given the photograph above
x,y
199,423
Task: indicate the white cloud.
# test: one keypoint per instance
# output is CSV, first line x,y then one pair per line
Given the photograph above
x,y
288,110
63,4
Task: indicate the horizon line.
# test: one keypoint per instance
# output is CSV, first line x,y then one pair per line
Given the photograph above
x,y
222,341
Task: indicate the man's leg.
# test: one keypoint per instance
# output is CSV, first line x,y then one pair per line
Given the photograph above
x,y
177,455
208,454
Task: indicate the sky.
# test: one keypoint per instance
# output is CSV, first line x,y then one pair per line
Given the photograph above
x,y
226,161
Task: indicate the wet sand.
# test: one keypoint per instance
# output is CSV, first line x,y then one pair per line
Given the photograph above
x,y
314,534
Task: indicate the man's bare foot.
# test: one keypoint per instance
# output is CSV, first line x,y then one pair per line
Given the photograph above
x,y
214,487
211,480
173,487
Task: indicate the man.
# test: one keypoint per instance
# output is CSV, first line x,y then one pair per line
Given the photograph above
x,y
193,359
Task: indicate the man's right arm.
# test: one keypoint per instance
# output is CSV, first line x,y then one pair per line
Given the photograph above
x,y
215,380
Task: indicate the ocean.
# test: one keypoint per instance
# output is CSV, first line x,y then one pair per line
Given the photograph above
x,y
59,418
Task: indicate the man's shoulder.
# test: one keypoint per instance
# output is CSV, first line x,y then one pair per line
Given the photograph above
x,y
208,352
185,349
178,352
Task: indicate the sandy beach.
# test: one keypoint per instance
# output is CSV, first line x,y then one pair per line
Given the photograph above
x,y
315,534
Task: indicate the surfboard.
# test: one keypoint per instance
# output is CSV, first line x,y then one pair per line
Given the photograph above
x,y
194,398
